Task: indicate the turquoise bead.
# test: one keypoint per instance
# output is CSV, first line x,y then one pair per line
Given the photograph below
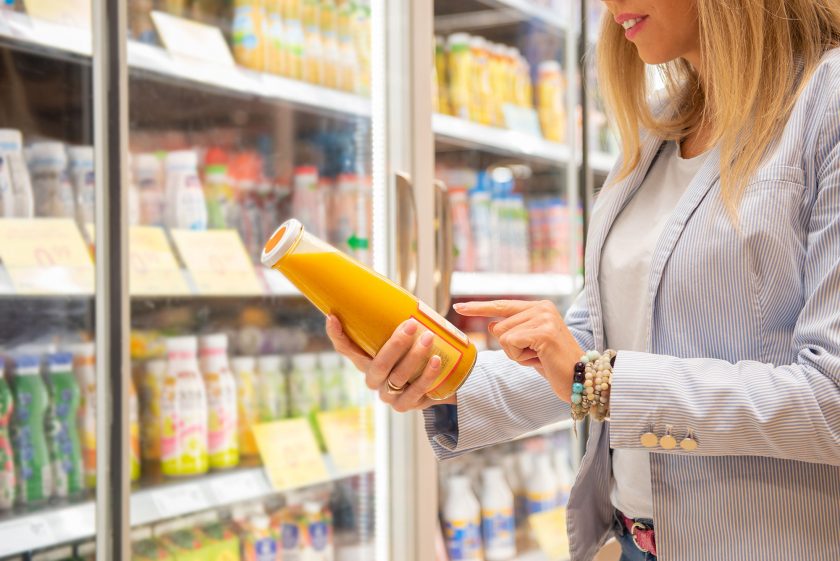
x,y
593,355
577,387
576,398
584,359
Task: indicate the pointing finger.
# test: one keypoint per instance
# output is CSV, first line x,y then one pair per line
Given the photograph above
x,y
493,308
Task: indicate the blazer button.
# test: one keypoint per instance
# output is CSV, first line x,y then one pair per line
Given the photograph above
x,y
668,442
649,440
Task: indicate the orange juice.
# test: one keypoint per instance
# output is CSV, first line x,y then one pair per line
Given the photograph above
x,y
369,305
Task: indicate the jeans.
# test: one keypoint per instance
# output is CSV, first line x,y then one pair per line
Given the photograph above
x,y
629,551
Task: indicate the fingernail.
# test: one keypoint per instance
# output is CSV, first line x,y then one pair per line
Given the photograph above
x,y
434,362
410,328
426,339
459,306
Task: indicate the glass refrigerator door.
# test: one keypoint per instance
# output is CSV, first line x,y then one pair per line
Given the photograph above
x,y
507,153
52,354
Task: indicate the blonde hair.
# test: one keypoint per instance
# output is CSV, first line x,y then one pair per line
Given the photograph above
x,y
752,50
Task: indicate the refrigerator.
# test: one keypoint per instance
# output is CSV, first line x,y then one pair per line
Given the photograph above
x,y
164,395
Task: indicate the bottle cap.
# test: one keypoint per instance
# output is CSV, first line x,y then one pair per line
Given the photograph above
x,y
188,344
269,363
83,350
549,66
312,507
259,521
81,156
243,363
146,162
11,140
47,154
459,39
281,242
27,362
182,159
213,341
60,360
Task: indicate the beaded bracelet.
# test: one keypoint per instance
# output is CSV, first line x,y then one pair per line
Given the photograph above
x,y
591,385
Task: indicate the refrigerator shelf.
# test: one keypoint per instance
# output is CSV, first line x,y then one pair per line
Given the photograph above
x,y
502,12
509,284
501,141
76,522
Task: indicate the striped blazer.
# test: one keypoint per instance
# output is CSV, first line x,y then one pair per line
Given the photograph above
x,y
743,349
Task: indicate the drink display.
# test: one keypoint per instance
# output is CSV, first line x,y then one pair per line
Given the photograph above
x,y
249,33
369,306
462,519
51,187
244,369
29,439
183,445
7,460
222,425
497,522
62,426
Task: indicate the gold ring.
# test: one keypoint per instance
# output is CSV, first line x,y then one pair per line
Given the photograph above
x,y
394,390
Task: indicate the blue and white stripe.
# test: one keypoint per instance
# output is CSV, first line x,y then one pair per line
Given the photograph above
x,y
743,349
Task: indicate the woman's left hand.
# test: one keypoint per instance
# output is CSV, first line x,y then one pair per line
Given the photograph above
x,y
533,334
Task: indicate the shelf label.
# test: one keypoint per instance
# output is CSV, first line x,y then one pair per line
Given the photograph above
x,y
218,262
238,487
348,434
25,535
189,39
152,266
179,500
549,529
290,453
75,13
46,256
522,119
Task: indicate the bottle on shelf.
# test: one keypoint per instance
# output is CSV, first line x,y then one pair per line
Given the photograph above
x,y
329,42
148,173
295,39
460,65
15,171
331,382
133,431
32,457
497,521
51,187
542,486
275,55
272,389
84,368
223,423
318,539
461,519
249,33
183,444
550,99
7,460
304,395
313,51
151,414
370,306
84,182
62,428
186,206
244,369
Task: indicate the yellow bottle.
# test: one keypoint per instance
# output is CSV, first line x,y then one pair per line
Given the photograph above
x,y
369,305
295,38
249,23
329,42
550,94
275,50
313,51
460,75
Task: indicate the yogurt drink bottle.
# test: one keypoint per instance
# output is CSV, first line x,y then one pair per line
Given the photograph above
x,y
331,382
541,486
7,461
84,368
148,174
183,443
51,187
14,167
186,206
497,522
369,306
151,401
304,395
32,457
223,446
272,390
461,519
84,182
62,428
244,369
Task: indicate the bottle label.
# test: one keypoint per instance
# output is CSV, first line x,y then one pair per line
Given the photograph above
x,y
318,536
184,416
450,356
265,549
497,528
540,502
221,417
463,541
290,536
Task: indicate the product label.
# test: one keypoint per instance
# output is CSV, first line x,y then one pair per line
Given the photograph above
x,y
184,418
540,502
442,322
318,536
222,415
497,528
290,536
463,541
265,549
35,481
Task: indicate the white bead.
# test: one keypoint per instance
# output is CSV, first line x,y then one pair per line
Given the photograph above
x,y
587,383
588,375
605,387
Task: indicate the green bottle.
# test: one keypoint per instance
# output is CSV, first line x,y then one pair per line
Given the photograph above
x,y
32,460
7,463
62,426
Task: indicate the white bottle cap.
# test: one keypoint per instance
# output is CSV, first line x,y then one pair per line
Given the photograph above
x,y
213,341
182,159
281,242
259,521
80,156
269,363
459,39
305,361
186,344
492,475
330,361
146,162
11,140
312,507
459,483
549,66
47,153
243,364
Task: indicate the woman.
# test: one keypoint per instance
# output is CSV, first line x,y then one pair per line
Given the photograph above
x,y
713,268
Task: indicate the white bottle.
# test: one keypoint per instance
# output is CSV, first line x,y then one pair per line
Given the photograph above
x,y
565,475
303,384
51,187
84,182
272,388
319,546
14,167
186,207
461,518
331,382
223,419
541,486
497,522
148,174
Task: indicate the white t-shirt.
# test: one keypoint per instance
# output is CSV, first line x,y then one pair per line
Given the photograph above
x,y
624,279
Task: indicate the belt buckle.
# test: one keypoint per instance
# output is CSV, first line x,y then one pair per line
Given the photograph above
x,y
637,526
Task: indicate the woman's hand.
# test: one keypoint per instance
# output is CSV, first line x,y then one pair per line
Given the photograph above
x,y
533,334
406,353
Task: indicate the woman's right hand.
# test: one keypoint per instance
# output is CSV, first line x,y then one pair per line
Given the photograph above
x,y
399,359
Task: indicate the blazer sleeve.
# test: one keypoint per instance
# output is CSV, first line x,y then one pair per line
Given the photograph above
x,y
787,411
501,399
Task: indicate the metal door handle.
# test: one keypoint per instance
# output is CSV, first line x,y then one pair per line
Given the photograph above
x,y
444,239
408,258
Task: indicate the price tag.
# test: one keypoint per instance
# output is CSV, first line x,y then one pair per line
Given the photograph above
x,y
192,40
549,529
217,261
178,500
46,256
349,437
522,119
75,13
239,487
24,535
290,453
152,266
